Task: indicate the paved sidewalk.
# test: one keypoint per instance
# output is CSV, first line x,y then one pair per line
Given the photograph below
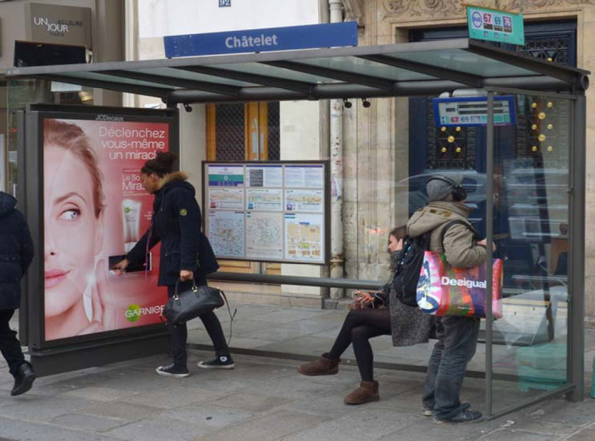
x,y
265,399
262,399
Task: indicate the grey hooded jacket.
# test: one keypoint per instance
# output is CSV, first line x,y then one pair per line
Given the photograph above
x,y
459,245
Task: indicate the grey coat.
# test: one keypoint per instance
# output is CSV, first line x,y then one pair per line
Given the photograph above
x,y
409,325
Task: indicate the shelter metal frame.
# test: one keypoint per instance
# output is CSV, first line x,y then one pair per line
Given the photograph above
x,y
396,70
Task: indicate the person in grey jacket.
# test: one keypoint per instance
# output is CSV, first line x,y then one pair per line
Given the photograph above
x,y
385,315
16,254
457,336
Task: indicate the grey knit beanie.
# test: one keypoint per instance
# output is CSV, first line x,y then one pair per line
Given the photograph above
x,y
439,190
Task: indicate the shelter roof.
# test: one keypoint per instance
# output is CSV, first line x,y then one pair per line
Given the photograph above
x,y
404,69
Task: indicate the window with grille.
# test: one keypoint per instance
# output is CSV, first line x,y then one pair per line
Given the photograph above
x,y
231,135
228,122
274,135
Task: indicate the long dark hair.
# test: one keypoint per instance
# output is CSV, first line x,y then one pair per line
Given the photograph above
x,y
162,165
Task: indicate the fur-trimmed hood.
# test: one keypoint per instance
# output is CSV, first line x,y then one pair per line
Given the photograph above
x,y
175,176
177,180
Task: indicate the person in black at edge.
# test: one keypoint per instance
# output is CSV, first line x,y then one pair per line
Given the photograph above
x,y
16,254
177,224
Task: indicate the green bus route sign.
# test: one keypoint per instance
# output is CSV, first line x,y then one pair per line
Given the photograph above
x,y
494,25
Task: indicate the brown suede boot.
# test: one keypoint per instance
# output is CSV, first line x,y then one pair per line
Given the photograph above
x,y
366,392
322,366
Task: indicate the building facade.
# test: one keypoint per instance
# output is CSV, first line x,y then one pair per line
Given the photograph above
x,y
63,22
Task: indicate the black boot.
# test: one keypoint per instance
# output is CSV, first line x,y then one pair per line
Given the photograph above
x,y
23,381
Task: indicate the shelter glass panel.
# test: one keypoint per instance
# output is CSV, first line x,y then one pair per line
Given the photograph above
x,y
463,61
531,230
271,71
186,75
366,67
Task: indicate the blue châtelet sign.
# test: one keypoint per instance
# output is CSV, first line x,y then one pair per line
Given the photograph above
x,y
262,40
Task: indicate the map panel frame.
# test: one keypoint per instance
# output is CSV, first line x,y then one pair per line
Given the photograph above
x,y
261,180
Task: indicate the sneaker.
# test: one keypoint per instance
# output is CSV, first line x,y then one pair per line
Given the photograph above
x,y
464,416
426,411
172,371
23,380
220,362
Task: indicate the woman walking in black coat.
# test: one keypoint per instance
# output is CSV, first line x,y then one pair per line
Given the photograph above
x,y
177,225
16,254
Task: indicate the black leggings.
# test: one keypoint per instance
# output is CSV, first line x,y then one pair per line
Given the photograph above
x,y
361,325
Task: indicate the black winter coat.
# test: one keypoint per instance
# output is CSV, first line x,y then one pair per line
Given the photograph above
x,y
16,251
176,223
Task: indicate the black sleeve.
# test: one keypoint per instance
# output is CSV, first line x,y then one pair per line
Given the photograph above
x,y
138,253
187,212
27,250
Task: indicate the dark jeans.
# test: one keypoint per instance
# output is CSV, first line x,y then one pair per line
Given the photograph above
x,y
178,334
457,342
9,345
359,327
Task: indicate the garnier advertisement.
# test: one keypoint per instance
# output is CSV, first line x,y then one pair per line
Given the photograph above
x,y
95,211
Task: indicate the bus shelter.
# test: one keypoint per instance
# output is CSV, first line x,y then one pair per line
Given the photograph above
x,y
540,103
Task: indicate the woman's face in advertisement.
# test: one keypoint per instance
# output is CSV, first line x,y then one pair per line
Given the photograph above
x,y
73,234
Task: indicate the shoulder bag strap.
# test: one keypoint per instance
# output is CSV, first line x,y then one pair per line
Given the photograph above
x,y
456,222
231,316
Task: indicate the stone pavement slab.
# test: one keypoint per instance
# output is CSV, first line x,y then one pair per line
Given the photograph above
x,y
172,397
362,425
251,402
584,434
29,431
158,429
123,411
518,435
33,407
88,422
210,417
267,428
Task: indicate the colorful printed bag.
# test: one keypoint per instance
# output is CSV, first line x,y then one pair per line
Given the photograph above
x,y
444,290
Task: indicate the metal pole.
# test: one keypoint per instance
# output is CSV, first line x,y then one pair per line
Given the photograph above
x,y
336,157
323,282
576,287
489,240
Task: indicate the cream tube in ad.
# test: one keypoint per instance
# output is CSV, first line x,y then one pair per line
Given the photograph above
x,y
131,218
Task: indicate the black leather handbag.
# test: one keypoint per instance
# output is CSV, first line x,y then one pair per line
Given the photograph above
x,y
190,304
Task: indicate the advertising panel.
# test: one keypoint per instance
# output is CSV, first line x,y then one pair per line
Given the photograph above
x,y
274,211
95,210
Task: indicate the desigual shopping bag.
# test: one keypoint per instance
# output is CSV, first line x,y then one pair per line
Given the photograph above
x,y
444,290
